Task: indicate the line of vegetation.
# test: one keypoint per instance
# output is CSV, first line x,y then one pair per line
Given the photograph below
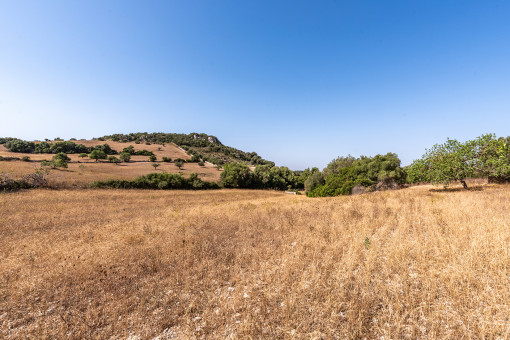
x,y
21,146
162,181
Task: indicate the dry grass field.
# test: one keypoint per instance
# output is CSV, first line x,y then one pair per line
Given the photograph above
x,y
84,171
229,264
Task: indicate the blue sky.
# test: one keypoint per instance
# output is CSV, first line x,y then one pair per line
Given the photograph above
x,y
299,82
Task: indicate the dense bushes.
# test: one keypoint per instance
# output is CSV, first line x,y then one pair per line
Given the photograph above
x,y
344,173
239,175
161,180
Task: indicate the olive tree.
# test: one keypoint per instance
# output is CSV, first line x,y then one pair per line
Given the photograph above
x,y
97,155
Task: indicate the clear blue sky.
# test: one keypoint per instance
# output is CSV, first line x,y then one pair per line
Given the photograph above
x,y
299,82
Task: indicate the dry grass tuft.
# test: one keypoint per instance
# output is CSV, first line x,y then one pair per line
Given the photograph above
x,y
409,264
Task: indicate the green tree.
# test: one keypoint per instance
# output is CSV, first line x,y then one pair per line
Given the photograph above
x,y
61,156
236,175
447,162
493,158
125,156
313,181
155,165
179,163
152,158
97,155
82,155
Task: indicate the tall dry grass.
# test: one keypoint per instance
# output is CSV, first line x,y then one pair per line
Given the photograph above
x,y
408,264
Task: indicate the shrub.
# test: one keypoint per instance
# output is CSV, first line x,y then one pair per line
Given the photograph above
x,y
113,159
25,159
167,159
152,158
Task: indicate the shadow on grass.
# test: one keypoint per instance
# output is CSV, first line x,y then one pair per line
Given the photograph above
x,y
473,188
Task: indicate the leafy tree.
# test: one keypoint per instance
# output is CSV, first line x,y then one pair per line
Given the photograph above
x,y
339,163
167,159
236,175
179,163
130,150
97,155
83,155
125,156
493,157
447,162
313,181
155,165
152,158
195,159
61,156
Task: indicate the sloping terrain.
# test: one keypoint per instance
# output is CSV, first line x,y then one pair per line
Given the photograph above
x,y
82,171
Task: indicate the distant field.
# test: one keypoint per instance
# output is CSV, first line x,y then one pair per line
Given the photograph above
x,y
83,171
229,264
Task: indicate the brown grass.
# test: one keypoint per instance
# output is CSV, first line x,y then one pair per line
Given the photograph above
x,y
84,171
409,264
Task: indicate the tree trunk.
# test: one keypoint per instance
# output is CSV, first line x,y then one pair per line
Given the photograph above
x,y
463,182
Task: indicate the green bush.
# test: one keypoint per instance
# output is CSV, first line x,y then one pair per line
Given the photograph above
x,y
166,159
114,160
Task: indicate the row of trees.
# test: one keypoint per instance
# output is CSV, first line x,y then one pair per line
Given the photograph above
x,y
21,146
239,175
486,156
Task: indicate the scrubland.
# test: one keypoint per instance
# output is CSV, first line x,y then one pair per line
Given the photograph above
x,y
229,264
82,172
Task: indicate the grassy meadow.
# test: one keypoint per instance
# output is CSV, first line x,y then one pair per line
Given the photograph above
x,y
229,264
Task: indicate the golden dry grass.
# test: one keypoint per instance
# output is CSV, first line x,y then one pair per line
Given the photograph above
x,y
84,171
408,264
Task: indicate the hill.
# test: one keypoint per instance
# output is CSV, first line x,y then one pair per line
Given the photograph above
x,y
207,147
82,171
